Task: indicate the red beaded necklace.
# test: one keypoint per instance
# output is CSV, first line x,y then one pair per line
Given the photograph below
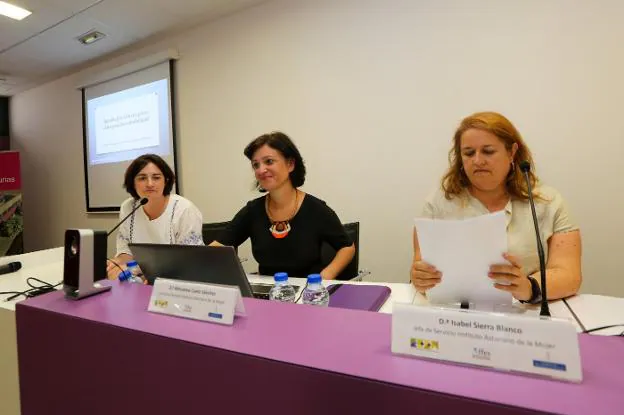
x,y
280,228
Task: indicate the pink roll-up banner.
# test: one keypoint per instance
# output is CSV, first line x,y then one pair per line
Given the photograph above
x,y
11,215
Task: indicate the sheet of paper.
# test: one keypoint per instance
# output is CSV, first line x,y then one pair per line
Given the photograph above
x,y
463,251
598,311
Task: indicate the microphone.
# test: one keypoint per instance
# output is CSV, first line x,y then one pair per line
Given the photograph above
x,y
10,267
141,203
525,167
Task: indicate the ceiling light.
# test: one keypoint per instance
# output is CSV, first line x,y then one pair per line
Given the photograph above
x,y
12,11
91,37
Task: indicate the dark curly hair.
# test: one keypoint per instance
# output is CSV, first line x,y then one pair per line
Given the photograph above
x,y
282,143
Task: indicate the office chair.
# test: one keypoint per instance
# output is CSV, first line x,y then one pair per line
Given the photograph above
x,y
212,231
351,271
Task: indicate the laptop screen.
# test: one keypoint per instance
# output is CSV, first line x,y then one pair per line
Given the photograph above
x,y
208,264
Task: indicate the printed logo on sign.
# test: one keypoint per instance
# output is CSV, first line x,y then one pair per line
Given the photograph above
x,y
215,315
549,365
161,303
481,353
424,344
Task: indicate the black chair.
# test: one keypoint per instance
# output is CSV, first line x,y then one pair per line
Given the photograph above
x,y
212,231
351,271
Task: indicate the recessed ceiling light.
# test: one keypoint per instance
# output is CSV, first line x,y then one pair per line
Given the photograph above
x,y
12,11
91,37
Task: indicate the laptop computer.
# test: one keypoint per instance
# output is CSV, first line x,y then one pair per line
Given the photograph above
x,y
209,264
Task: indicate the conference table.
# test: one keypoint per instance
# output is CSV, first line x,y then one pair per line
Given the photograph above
x,y
127,356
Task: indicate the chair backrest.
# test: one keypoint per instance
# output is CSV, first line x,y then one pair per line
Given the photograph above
x,y
212,231
328,252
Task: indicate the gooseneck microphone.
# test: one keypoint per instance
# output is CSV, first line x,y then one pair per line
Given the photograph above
x,y
525,167
10,267
141,203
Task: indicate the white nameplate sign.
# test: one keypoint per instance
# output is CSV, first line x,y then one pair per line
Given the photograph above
x,y
209,302
530,344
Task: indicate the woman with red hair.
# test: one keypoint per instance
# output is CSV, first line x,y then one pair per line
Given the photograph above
x,y
484,176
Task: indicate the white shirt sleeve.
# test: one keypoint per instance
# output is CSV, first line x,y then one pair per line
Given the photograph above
x,y
188,229
123,233
562,221
431,209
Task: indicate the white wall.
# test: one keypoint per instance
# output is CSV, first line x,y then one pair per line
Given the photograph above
x,y
371,91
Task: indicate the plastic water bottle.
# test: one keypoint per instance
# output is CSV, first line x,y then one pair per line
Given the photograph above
x,y
282,291
315,293
132,274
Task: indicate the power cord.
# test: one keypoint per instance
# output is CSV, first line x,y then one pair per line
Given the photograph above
x,y
33,291
578,320
604,328
301,292
116,264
